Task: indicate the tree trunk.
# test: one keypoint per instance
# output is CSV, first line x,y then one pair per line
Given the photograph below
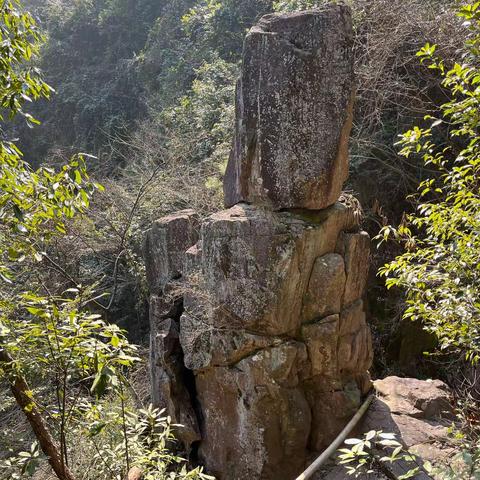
x,y
21,391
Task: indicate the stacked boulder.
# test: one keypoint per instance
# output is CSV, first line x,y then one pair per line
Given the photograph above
x,y
260,346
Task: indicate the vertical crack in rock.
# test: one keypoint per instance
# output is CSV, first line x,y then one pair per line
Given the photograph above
x,y
264,350
172,383
187,377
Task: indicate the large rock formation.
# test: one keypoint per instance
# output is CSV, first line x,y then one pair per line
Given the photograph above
x,y
294,111
280,359
263,353
164,250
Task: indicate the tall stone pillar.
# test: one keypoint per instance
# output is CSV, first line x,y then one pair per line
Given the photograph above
x,y
272,327
294,111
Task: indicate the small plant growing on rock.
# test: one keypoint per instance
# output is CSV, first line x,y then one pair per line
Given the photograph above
x,y
374,453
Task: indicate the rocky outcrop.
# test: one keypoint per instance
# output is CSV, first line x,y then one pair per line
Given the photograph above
x,y
170,380
280,359
257,418
294,111
254,264
264,351
419,413
165,246
424,399
165,250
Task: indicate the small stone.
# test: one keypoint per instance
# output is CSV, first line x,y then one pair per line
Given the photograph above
x,y
255,265
135,474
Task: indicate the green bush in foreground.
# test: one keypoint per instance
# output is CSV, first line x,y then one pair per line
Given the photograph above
x,y
60,360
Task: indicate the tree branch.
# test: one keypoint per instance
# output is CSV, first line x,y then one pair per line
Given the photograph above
x,y
22,394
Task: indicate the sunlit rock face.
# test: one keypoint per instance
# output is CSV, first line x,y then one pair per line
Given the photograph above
x,y
164,251
165,245
294,111
280,356
260,344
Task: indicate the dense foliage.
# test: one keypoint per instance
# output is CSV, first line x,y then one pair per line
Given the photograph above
x,y
439,270
111,73
59,359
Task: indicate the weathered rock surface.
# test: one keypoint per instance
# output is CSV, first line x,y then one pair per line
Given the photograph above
x,y
333,403
416,398
267,335
165,251
294,111
165,246
354,246
169,381
419,412
269,308
257,419
255,262
325,288
355,343
206,346
321,339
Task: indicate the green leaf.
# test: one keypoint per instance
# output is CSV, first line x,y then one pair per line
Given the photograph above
x,y
353,441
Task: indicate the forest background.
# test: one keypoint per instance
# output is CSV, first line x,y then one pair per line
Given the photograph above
x,y
147,88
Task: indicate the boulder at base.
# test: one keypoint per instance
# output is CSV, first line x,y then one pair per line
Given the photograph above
x,y
419,413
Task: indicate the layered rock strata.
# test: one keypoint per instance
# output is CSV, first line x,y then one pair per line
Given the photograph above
x,y
260,345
